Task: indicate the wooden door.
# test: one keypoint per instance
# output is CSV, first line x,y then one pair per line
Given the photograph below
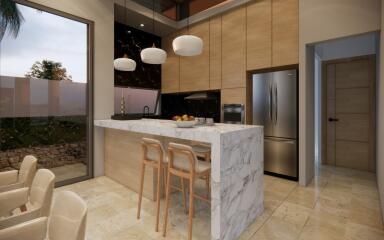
x,y
350,112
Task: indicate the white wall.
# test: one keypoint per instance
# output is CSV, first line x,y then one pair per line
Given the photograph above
x,y
101,12
320,21
380,120
354,46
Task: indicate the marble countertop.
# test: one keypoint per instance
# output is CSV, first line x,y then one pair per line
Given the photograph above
x,y
168,128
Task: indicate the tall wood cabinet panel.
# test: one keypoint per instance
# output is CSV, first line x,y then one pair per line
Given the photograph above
x,y
215,53
259,35
170,72
194,71
285,32
234,48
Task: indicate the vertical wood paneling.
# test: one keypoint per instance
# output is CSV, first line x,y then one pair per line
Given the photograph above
x,y
259,35
170,72
234,48
285,32
194,71
215,53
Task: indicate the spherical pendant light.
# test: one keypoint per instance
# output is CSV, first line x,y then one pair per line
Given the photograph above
x,y
153,55
187,45
124,64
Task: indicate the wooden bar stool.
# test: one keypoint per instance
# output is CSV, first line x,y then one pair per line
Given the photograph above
x,y
182,162
154,156
202,150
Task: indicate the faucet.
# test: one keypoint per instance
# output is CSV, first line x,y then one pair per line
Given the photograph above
x,y
145,111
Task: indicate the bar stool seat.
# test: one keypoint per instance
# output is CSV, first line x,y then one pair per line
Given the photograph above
x,y
202,150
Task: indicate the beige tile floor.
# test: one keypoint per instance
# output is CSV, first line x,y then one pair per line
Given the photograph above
x,y
339,204
69,171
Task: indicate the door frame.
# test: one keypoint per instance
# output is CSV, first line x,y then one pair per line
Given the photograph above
x,y
324,97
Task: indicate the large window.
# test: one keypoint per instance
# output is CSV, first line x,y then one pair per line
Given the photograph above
x,y
46,93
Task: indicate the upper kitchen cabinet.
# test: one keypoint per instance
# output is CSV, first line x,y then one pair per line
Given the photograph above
x,y
259,35
285,32
215,53
194,71
234,48
170,74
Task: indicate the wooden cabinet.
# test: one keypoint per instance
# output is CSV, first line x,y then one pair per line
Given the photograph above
x,y
285,32
170,74
215,53
234,48
259,35
194,71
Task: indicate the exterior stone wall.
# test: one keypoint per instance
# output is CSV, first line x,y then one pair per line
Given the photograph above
x,y
48,156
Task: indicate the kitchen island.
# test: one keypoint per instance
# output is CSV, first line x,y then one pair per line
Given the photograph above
x,y
237,167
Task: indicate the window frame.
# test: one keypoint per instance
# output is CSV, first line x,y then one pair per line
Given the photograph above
x,y
90,87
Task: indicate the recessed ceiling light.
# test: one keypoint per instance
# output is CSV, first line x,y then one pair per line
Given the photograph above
x,y
141,24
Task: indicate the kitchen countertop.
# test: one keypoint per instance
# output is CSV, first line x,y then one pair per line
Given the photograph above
x,y
168,128
237,168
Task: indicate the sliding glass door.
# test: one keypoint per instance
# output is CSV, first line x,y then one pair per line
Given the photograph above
x,y
46,92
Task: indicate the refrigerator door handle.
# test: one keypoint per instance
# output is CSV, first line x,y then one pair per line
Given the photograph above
x,y
276,103
288,141
270,102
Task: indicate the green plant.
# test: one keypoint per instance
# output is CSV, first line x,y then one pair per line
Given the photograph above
x,y
10,18
49,70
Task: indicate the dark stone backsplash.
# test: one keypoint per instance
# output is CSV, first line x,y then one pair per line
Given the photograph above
x,y
131,41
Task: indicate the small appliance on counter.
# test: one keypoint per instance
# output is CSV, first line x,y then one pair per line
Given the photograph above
x,y
233,113
275,107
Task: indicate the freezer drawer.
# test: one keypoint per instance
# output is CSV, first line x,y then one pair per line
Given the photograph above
x,y
280,156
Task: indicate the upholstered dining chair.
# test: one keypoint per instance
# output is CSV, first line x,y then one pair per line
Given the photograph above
x,y
34,202
66,222
15,179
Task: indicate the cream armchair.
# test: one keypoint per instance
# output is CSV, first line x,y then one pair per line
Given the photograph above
x,y
67,222
14,179
36,201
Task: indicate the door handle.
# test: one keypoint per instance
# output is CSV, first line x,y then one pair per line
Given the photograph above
x,y
276,103
270,102
333,119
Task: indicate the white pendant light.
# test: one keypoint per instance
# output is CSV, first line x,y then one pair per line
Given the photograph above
x,y
125,63
153,55
187,45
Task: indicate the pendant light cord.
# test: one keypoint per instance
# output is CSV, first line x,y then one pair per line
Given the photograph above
x,y
153,18
125,22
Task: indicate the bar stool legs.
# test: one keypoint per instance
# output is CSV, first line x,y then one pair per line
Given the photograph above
x,y
167,193
141,189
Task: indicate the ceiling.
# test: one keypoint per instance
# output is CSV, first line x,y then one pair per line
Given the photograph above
x,y
139,13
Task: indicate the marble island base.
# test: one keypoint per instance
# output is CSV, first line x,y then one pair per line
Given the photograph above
x,y
237,166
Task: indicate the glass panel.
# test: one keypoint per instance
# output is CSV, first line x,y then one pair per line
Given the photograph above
x,y
135,100
43,94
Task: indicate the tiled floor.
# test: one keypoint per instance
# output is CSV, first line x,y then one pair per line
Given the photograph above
x,y
69,171
339,204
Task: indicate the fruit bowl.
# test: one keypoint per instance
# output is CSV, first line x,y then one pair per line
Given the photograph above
x,y
184,121
185,124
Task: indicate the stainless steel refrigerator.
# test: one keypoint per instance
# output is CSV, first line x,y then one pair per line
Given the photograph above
x,y
275,107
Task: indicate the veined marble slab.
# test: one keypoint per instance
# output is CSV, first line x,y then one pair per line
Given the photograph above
x,y
237,168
